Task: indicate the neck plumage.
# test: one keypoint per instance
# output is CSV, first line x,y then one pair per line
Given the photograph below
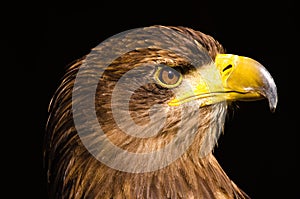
x,y
187,177
190,176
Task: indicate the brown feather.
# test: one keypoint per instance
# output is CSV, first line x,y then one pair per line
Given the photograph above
x,y
74,173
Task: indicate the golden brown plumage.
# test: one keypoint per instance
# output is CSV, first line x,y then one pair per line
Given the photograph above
x,y
73,172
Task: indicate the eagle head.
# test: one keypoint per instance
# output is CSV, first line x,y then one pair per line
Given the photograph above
x,y
139,116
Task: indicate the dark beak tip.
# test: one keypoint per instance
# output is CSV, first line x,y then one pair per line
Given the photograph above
x,y
273,109
270,92
273,102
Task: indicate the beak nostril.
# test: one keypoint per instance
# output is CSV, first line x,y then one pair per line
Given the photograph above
x,y
227,67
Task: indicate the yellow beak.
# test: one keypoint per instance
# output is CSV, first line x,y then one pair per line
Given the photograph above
x,y
242,78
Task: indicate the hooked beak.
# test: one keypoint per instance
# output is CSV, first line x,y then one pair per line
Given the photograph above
x,y
241,79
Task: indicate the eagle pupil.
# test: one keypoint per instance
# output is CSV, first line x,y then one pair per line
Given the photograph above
x,y
170,75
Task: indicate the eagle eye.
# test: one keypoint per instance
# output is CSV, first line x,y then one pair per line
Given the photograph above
x,y
168,77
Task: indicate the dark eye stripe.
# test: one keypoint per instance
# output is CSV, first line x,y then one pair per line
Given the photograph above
x,y
184,69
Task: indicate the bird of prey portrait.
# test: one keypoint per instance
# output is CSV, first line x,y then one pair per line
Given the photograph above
x,y
139,116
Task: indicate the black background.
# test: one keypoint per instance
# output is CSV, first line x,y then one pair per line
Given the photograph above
x,y
259,148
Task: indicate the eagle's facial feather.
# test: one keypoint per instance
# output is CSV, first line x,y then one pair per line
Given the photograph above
x,y
145,97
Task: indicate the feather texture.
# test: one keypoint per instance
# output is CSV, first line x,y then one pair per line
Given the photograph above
x,y
73,172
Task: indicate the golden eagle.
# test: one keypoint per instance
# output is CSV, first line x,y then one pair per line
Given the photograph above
x,y
139,115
